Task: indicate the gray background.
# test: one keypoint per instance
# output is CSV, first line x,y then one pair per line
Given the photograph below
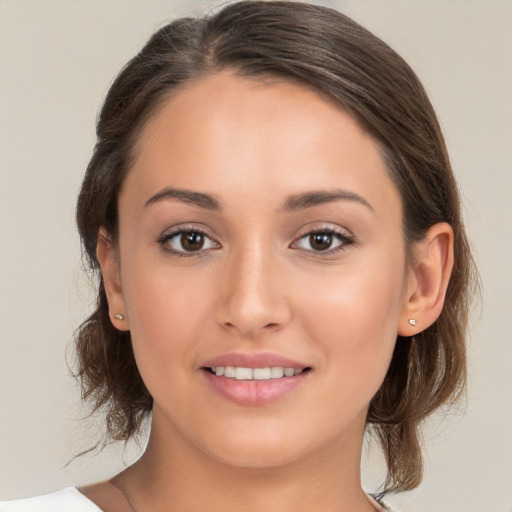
x,y
57,59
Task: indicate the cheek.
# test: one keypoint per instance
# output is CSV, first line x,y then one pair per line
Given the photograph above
x,y
166,312
354,321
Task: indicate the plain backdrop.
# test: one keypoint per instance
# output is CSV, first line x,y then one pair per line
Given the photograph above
x,y
57,59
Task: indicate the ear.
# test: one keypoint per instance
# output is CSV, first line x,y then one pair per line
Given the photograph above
x,y
108,259
427,280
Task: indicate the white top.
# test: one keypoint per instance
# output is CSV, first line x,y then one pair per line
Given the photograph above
x,y
67,500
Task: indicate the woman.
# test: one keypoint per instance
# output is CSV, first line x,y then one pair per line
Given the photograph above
x,y
282,262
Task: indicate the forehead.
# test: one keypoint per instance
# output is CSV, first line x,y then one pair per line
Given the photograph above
x,y
226,131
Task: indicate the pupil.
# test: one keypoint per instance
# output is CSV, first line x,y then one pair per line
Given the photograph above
x,y
192,241
320,241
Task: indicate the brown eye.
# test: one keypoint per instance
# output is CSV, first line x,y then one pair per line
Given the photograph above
x,y
328,241
192,241
320,241
187,242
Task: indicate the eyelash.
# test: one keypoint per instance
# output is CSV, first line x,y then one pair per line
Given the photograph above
x,y
344,239
168,237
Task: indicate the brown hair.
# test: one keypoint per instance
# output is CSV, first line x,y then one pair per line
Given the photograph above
x,y
332,54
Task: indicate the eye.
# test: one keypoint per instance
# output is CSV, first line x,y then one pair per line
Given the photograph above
x,y
187,242
324,240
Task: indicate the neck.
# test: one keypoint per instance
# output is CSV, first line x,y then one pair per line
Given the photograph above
x,y
173,474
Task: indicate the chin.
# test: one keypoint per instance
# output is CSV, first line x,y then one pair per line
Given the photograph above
x,y
237,444
265,446
255,455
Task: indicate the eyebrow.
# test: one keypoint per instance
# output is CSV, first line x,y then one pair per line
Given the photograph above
x,y
206,201
315,198
293,203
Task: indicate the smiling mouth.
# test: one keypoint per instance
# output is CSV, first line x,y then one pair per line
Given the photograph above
x,y
248,374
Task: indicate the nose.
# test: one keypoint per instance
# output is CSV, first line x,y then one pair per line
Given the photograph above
x,y
252,293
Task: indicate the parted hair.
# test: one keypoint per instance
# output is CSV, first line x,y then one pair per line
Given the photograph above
x,y
330,53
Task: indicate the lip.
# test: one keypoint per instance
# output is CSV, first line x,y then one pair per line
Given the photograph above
x,y
254,392
257,360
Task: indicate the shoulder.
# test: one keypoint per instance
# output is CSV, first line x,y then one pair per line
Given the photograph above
x,y
67,500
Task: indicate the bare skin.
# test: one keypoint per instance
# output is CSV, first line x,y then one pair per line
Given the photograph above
x,y
107,496
280,171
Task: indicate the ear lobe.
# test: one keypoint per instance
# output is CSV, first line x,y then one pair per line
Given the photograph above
x,y
428,280
109,264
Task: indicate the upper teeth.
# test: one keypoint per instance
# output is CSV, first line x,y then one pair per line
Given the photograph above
x,y
239,373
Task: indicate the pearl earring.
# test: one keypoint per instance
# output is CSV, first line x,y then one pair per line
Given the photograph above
x,y
412,321
119,316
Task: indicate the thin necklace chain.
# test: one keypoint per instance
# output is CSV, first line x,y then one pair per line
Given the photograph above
x,y
116,483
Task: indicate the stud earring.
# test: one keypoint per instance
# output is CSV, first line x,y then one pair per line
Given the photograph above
x,y
412,321
119,316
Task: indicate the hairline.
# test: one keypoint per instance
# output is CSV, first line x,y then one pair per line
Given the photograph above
x,y
134,141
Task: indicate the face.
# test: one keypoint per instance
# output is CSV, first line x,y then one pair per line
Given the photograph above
x,y
260,236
